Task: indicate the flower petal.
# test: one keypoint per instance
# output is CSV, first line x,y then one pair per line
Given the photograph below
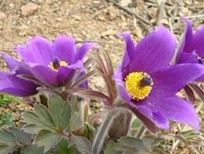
x,y
83,49
129,49
46,75
188,57
120,85
176,109
10,61
77,65
188,34
169,80
64,48
160,120
24,52
37,50
154,51
145,120
155,116
197,42
16,66
14,85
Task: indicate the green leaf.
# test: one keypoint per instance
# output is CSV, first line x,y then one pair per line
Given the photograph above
x,y
110,148
7,137
32,129
32,149
60,111
6,118
21,136
88,131
4,149
132,145
43,113
32,118
81,144
47,139
64,148
75,122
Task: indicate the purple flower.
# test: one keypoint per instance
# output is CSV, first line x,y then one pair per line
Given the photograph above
x,y
191,47
15,85
47,64
13,82
149,84
53,63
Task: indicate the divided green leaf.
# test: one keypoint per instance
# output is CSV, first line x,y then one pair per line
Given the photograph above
x,y
128,145
47,139
60,112
82,144
32,149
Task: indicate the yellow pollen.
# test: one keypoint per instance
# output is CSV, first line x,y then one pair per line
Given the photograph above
x,y
56,66
63,63
138,85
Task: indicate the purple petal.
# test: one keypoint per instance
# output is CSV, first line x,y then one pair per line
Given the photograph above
x,y
145,120
191,42
184,42
155,116
154,51
64,48
129,48
10,61
118,76
65,74
197,43
24,52
176,109
160,120
188,34
186,57
46,75
83,49
201,78
37,50
77,65
16,66
168,81
21,83
14,85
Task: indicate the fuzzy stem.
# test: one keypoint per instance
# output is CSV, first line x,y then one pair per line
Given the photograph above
x,y
104,130
141,132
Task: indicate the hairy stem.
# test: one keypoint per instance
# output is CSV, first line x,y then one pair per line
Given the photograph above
x,y
104,130
141,131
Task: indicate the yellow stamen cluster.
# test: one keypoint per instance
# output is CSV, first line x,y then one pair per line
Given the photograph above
x,y
135,87
55,67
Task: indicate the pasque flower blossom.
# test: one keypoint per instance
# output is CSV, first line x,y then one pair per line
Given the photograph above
x,y
44,63
147,82
191,48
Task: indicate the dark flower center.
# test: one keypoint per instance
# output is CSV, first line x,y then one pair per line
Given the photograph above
x,y
200,60
146,81
56,63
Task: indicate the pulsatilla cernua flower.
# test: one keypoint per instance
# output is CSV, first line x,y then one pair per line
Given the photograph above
x,y
46,63
191,48
147,82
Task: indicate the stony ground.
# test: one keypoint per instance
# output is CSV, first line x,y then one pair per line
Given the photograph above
x,y
95,20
